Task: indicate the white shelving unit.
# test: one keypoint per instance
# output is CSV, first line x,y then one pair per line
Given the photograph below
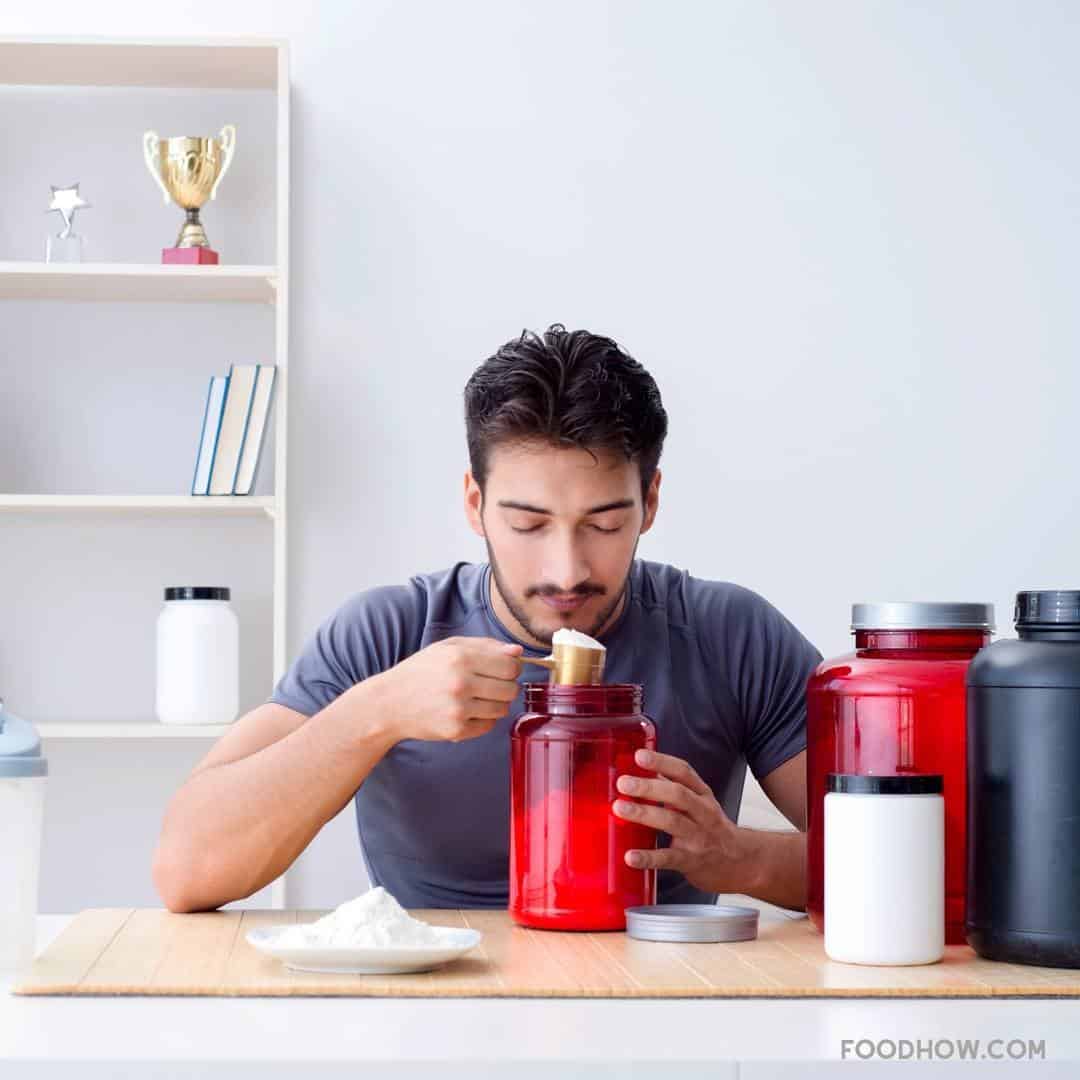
x,y
136,281
205,64
196,504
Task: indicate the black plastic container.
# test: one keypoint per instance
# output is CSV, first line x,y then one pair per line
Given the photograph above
x,y
1023,787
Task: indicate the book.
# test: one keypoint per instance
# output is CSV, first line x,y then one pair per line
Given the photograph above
x,y
251,454
215,399
234,422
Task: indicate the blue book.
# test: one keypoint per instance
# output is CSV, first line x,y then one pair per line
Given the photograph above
x,y
208,437
234,422
251,454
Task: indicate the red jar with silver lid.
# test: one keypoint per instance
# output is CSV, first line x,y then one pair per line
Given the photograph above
x,y
896,706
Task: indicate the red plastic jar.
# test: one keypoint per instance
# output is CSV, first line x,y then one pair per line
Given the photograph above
x,y
896,705
567,846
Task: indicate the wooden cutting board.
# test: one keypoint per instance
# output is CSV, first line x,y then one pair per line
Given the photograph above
x,y
154,952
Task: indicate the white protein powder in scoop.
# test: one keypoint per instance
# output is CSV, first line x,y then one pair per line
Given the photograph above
x,y
373,918
576,637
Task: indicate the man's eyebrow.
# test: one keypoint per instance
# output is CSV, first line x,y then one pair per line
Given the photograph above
x,y
618,504
511,504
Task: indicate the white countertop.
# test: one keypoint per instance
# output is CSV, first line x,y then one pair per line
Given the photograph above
x,y
118,1037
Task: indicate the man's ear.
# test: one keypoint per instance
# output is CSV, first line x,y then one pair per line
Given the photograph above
x,y
474,504
652,502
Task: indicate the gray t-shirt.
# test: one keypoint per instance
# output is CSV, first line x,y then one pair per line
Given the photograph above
x,y
724,677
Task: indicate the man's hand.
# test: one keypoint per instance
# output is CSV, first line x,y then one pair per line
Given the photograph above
x,y
453,689
706,846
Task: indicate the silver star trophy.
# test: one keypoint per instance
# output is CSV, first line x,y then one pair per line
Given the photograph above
x,y
66,246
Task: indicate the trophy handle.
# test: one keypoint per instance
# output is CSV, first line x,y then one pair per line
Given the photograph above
x,y
151,144
228,147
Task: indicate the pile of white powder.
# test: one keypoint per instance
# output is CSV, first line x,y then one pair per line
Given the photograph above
x,y
373,918
576,637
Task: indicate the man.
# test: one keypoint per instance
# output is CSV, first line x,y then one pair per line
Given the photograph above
x,y
404,698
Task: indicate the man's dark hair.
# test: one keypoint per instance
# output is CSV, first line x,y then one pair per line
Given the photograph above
x,y
570,388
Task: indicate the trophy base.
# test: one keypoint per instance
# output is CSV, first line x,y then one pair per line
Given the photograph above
x,y
189,256
64,249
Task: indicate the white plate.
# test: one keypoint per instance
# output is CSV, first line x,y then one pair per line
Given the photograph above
x,y
370,960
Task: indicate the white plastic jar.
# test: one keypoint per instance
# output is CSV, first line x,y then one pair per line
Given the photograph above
x,y
885,868
198,657
23,773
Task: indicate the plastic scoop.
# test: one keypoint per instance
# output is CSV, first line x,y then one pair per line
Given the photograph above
x,y
575,659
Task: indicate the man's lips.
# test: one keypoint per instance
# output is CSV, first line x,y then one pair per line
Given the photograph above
x,y
564,603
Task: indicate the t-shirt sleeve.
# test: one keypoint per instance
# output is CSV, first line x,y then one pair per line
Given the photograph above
x,y
767,663
369,633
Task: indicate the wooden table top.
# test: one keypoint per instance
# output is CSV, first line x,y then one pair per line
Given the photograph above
x,y
129,951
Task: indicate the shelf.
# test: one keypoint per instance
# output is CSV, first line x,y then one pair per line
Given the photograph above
x,y
138,729
137,281
216,63
214,504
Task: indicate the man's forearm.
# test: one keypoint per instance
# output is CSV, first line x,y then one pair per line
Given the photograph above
x,y
235,827
775,865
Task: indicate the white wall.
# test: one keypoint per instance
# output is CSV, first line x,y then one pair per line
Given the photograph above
x,y
841,235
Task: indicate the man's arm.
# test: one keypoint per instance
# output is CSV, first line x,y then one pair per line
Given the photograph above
x,y
777,863
786,788
260,796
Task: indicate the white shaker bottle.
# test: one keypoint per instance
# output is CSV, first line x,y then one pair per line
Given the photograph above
x,y
885,868
23,770
198,657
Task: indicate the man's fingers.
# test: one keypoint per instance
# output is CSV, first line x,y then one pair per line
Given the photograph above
x,y
674,768
494,659
663,791
656,817
505,690
656,859
482,709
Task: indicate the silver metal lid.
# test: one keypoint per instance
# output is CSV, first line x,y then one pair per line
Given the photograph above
x,y
692,922
911,615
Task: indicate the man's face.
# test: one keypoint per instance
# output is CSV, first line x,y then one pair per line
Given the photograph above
x,y
561,530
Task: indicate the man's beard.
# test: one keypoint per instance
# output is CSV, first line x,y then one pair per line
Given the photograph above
x,y
521,615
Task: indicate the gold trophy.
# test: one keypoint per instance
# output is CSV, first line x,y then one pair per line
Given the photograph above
x,y
188,170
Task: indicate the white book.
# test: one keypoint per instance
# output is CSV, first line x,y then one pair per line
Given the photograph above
x,y
251,453
215,399
234,421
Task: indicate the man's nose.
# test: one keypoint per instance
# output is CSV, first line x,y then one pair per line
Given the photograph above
x,y
565,567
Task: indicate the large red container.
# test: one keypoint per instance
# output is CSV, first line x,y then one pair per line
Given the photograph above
x,y
896,705
567,847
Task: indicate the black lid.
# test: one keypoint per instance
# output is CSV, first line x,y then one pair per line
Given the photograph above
x,y
196,592
907,784
1047,607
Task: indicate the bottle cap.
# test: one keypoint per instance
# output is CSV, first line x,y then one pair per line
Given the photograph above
x,y
903,784
20,748
196,592
1048,607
